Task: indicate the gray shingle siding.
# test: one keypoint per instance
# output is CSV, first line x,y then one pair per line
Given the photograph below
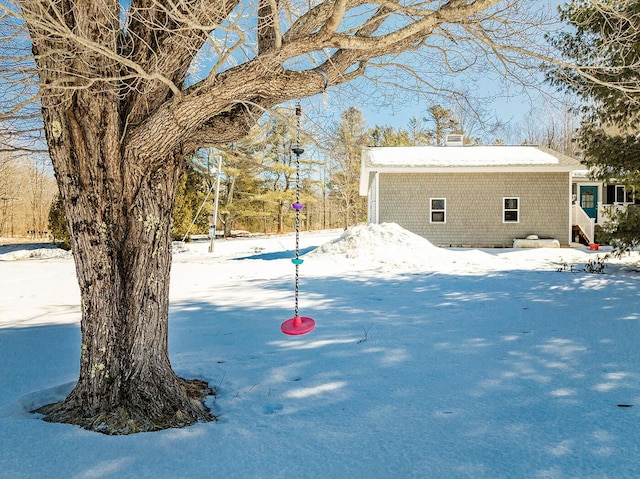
x,y
474,214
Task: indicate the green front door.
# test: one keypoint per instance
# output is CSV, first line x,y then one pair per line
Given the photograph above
x,y
589,200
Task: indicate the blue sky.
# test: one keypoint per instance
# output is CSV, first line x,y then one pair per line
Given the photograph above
x,y
497,97
512,106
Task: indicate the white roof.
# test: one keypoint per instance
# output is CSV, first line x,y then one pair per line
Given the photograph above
x,y
461,159
447,156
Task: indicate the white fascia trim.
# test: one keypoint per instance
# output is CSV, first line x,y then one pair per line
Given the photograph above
x,y
470,169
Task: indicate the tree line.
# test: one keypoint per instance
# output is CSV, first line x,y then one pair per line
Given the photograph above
x,y
27,189
257,178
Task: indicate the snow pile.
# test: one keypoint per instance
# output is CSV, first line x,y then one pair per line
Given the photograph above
x,y
21,253
389,247
375,240
386,244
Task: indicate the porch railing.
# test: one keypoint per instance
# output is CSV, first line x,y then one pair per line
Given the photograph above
x,y
605,211
587,224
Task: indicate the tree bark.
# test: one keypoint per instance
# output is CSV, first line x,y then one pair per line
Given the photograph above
x,y
119,217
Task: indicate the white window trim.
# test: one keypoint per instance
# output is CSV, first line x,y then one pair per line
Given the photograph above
x,y
431,210
504,209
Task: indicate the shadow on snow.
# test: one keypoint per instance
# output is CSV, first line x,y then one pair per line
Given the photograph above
x,y
504,375
277,254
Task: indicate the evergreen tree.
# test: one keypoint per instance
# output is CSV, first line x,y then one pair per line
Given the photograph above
x,y
389,136
279,166
190,214
241,184
58,224
445,123
605,36
416,133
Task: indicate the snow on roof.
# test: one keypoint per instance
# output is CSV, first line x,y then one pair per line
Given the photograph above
x,y
461,159
468,156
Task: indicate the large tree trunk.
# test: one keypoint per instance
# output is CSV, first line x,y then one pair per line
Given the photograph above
x,y
120,220
118,123
118,204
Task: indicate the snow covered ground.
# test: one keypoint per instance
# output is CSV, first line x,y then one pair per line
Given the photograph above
x,y
425,362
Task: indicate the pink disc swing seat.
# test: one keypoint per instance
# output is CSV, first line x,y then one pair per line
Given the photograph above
x,y
298,324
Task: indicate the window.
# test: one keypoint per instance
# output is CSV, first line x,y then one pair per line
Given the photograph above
x,y
615,194
511,210
618,194
588,197
438,210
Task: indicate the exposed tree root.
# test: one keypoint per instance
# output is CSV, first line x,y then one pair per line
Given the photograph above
x,y
137,416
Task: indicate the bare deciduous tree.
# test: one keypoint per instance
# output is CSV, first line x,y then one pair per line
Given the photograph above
x,y
349,136
27,189
40,195
121,112
552,127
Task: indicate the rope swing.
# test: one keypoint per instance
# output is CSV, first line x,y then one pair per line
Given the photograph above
x,y
298,324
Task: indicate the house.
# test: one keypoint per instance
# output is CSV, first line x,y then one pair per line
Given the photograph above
x,y
481,196
594,201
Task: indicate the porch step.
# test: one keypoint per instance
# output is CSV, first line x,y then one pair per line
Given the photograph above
x,y
579,234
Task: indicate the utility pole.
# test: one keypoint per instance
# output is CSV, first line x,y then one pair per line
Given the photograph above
x,y
212,229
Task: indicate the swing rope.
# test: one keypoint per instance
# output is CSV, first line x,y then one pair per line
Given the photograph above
x,y
297,325
297,151
195,218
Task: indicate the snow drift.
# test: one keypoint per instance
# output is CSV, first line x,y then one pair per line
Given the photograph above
x,y
390,247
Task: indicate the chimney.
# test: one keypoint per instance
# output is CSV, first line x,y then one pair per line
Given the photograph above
x,y
454,140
